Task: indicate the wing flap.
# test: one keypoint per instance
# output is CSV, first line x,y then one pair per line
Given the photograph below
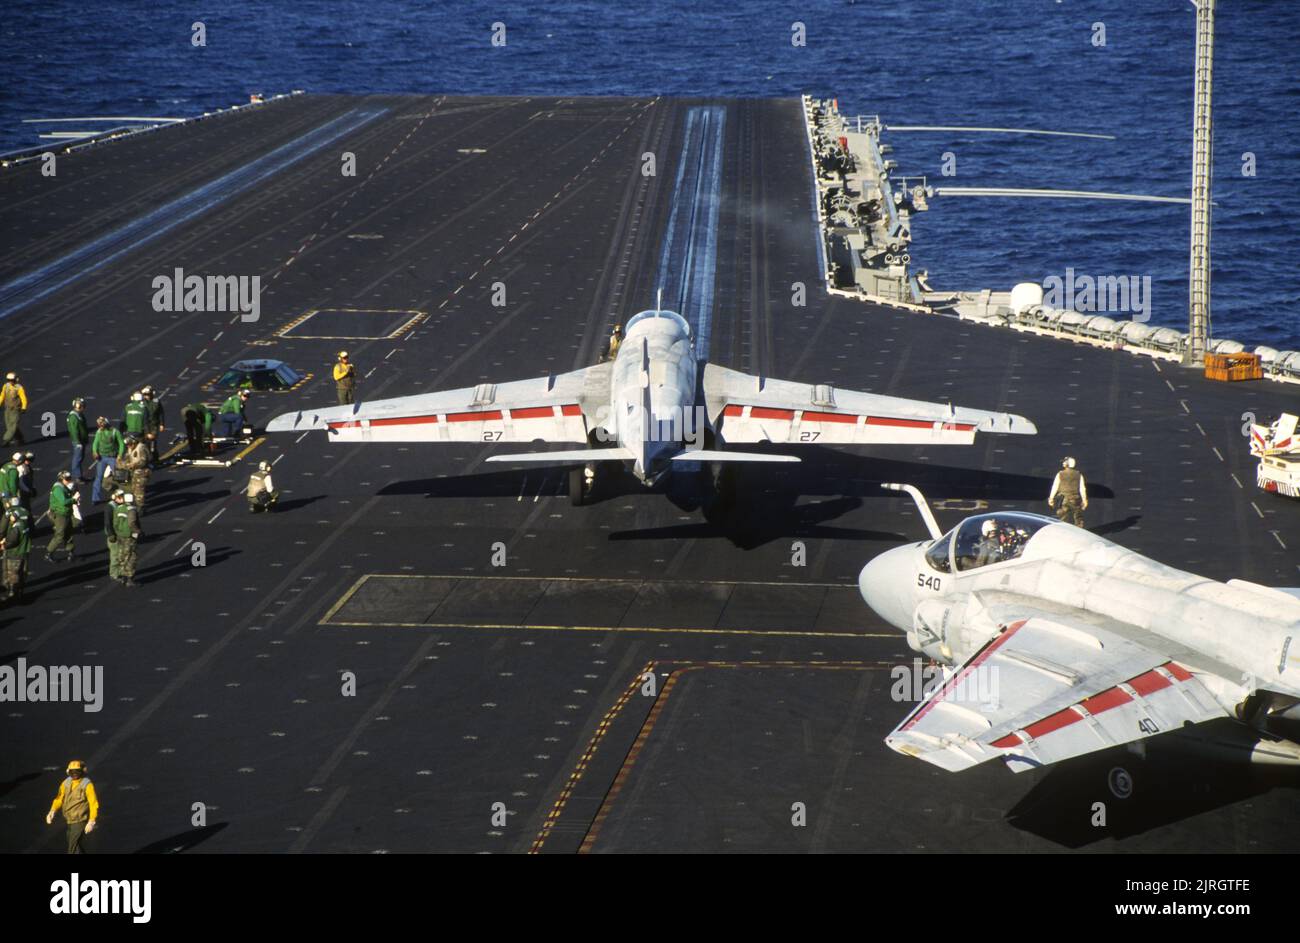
x,y
754,409
1046,690
545,409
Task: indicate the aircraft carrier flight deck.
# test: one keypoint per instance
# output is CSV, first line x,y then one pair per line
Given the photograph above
x,y
499,637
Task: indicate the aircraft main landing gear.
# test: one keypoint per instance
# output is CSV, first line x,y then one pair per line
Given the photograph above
x,y
582,483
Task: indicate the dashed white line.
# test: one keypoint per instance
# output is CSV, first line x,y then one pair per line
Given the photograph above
x,y
1237,480
1218,453
223,511
1257,510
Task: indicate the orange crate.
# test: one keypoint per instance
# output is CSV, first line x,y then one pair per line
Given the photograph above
x,y
1233,367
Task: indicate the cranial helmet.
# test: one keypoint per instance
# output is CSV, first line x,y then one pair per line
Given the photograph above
x,y
77,765
343,355
1067,462
18,456
263,466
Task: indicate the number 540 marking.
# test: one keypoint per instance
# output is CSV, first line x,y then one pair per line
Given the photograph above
x,y
928,582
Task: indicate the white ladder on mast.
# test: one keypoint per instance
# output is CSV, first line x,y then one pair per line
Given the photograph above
x,y
1198,330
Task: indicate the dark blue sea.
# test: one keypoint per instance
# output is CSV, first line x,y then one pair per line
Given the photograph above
x,y
1030,63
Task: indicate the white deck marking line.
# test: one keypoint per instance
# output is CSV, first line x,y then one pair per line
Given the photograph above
x,y
1218,453
1257,510
223,511
301,437
1236,479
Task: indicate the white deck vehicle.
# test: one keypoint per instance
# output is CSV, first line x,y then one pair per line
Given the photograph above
x,y
1277,447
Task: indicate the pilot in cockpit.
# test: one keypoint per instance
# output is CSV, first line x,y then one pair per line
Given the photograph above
x,y
989,548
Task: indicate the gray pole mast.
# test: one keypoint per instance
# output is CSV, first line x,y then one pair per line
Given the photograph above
x,y
1198,330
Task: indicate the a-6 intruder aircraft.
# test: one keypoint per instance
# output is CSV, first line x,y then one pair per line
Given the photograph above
x,y
655,407
1061,643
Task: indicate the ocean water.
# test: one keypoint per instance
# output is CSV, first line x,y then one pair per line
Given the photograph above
x,y
1023,63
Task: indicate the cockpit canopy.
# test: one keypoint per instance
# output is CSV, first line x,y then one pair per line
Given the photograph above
x,y
983,540
669,315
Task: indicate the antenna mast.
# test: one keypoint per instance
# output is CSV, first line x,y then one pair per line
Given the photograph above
x,y
1198,329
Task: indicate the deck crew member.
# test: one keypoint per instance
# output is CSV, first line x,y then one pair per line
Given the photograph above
x,y
261,492
137,461
105,448
27,481
1070,487
134,415
63,505
122,530
345,379
9,475
155,422
79,437
615,341
232,415
80,806
14,399
198,426
17,544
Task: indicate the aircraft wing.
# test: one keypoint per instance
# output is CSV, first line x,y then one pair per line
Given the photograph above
x,y
545,409
746,408
1047,688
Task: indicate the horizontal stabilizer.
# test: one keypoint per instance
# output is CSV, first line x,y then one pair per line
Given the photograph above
x,y
567,455
710,455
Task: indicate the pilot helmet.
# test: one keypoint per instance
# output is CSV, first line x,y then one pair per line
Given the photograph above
x,y
988,527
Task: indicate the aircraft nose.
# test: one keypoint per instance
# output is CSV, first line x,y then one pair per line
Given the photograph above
x,y
886,585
